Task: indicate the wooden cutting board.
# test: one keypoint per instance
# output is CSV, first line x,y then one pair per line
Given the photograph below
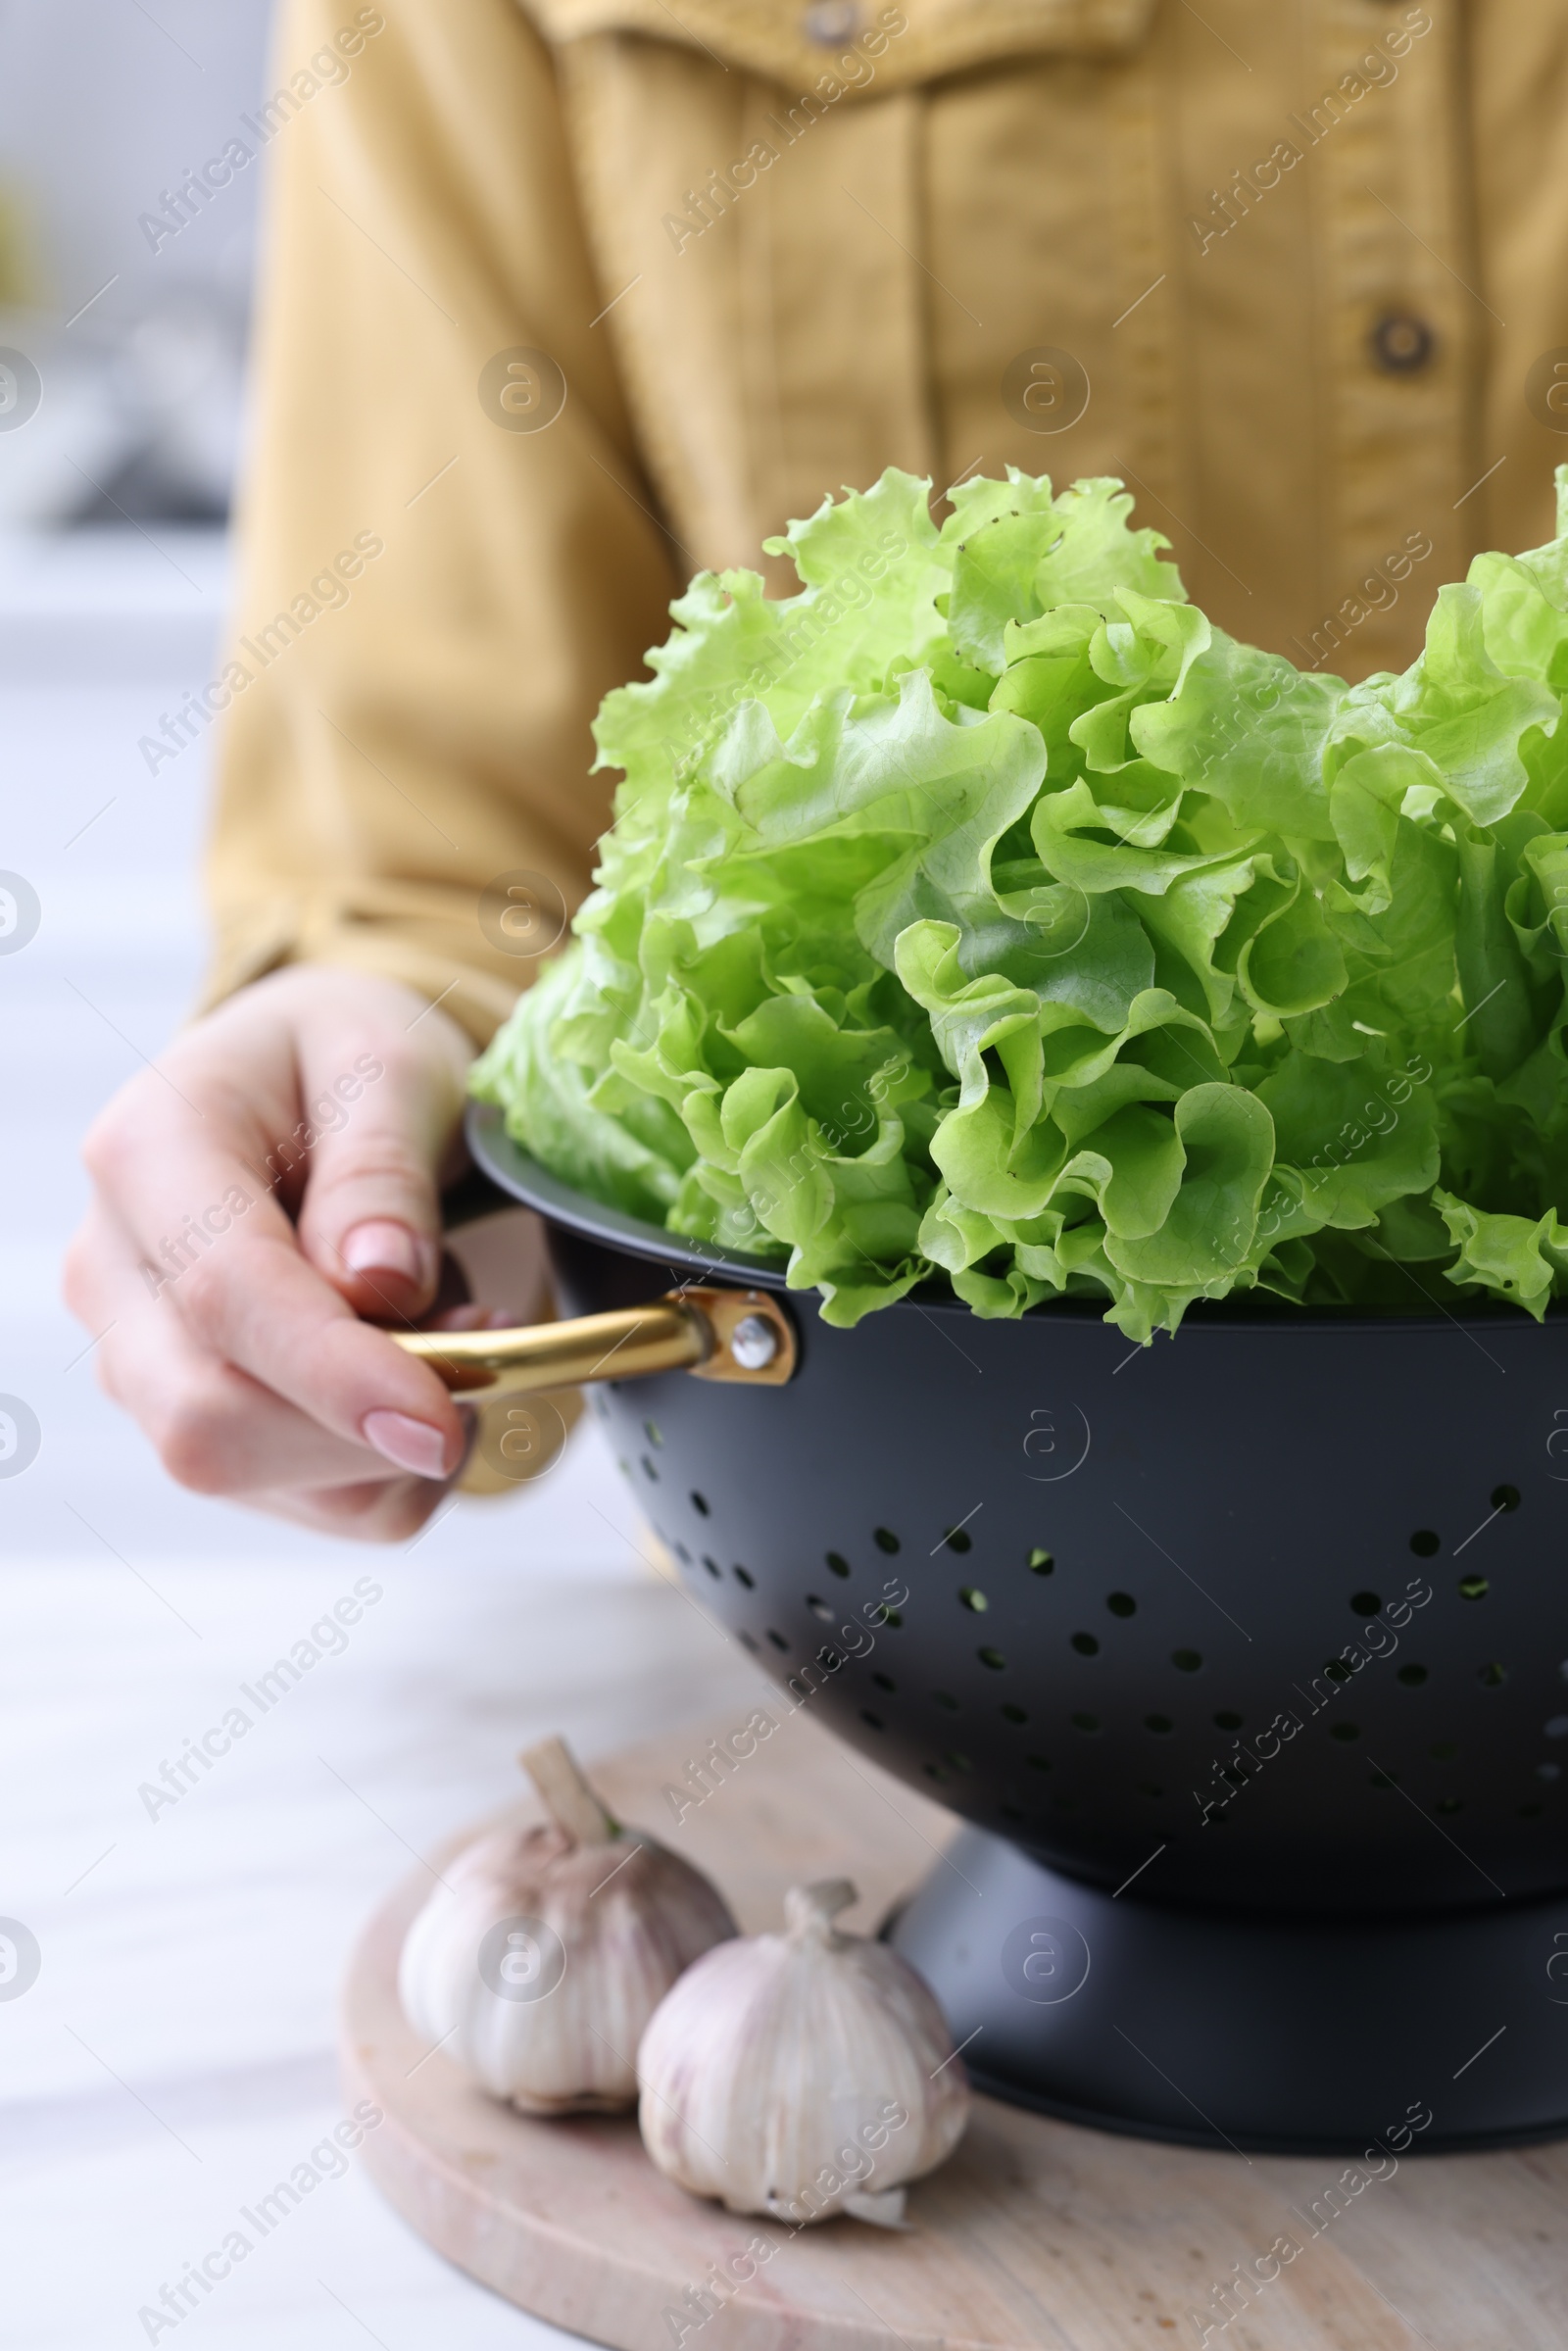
x,y
1035,2233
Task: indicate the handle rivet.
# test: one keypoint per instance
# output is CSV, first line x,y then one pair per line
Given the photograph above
x,y
753,1341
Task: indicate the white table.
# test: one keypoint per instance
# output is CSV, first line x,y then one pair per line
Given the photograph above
x,y
174,2058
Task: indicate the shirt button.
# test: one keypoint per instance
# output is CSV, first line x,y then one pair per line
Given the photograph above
x,y
1401,344
829,24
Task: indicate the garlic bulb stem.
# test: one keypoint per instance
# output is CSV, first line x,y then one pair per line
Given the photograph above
x,y
539,1958
569,1800
810,1910
802,2074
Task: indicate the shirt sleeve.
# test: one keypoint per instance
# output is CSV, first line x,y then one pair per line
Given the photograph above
x,y
447,549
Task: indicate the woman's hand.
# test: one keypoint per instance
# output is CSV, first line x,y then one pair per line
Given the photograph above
x,y
271,1181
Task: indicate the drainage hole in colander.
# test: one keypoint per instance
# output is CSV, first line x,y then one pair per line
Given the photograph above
x,y
1412,1676
712,1565
1492,1676
819,1607
956,1540
838,1565
885,1539
1121,1603
1086,1722
992,1657
890,1618
959,1763
1187,1661
1227,1721
682,1554
1382,1780
1037,1763
872,1721
969,1597
777,1638
1445,1751
1041,1563
1013,1714
945,1698
647,1469
748,1641
1557,1727
654,1434
1474,1587
1086,1645
1424,1543
934,1771
1448,1805
884,1682
1365,1603
1548,1771
1337,1669
744,1575
1345,1731
1161,1724
1505,1498
701,1504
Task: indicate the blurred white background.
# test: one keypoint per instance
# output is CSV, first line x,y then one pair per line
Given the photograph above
x,y
105,105
174,2056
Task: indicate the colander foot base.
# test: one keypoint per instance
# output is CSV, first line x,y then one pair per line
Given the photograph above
x,y
1271,2033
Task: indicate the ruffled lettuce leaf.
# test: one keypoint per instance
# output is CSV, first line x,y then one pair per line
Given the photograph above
x,y
981,915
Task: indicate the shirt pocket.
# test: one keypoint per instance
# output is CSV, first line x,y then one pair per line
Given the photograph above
x,y
756,182
916,41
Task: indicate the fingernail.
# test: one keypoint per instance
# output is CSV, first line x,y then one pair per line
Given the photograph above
x,y
381,1247
412,1445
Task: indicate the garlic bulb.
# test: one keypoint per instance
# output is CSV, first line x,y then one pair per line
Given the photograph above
x,y
801,2073
540,1958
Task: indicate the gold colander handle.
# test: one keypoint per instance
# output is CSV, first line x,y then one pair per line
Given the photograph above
x,y
742,1335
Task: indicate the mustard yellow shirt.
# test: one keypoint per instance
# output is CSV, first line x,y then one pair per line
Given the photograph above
x,y
564,298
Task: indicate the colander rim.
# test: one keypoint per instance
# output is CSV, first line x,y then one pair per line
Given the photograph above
x,y
522,1177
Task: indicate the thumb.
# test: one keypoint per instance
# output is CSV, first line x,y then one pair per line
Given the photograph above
x,y
371,1216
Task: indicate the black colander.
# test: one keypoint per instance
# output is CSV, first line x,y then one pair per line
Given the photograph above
x,y
1251,1645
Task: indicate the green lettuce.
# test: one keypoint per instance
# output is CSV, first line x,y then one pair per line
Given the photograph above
x,y
982,914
